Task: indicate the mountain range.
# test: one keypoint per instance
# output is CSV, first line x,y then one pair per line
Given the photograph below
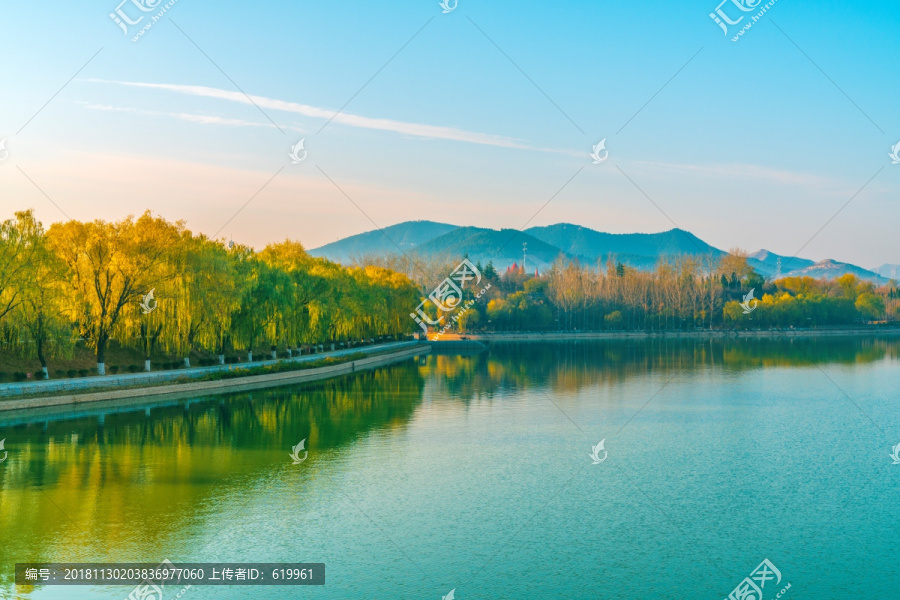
x,y
538,247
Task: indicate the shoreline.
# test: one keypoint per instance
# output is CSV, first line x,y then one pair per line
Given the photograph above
x,y
140,394
458,339
150,378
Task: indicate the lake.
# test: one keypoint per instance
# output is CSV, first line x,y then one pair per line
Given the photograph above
x,y
473,471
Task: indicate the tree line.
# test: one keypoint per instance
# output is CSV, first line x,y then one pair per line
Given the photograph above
x,y
682,293
89,282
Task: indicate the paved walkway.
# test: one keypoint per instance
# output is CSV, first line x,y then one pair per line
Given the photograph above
x,y
100,382
99,403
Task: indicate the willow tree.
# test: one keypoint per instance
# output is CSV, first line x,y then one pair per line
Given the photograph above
x,y
204,296
264,294
389,298
111,266
19,238
42,299
327,319
303,286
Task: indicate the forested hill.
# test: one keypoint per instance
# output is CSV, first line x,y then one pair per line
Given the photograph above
x,y
404,237
543,245
583,241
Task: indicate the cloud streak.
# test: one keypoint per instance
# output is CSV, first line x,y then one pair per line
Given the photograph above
x,y
402,127
190,117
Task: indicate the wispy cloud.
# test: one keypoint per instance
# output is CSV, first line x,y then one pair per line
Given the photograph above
x,y
406,128
191,117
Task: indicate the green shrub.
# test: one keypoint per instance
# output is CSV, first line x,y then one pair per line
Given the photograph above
x,y
3,376
83,372
133,368
114,369
279,367
19,376
71,373
59,373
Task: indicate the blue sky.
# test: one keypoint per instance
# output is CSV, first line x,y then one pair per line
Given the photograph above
x,y
480,118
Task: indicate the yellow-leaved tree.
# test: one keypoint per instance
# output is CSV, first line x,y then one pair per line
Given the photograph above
x,y
111,267
18,244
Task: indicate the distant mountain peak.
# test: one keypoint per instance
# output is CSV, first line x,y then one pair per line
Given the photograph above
x,y
832,269
593,245
402,236
573,242
891,271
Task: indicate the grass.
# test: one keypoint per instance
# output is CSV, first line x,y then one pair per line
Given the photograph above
x,y
82,362
279,367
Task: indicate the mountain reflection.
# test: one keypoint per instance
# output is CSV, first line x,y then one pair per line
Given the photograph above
x,y
126,484
570,366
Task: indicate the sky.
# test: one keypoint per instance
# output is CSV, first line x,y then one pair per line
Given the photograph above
x,y
485,115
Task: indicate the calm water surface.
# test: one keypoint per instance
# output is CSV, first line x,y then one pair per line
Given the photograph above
x,y
473,472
